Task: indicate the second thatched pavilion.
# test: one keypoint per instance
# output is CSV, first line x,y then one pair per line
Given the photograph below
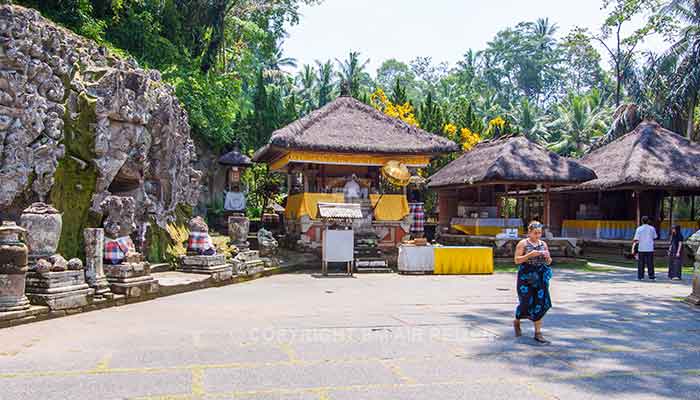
x,y
338,150
477,192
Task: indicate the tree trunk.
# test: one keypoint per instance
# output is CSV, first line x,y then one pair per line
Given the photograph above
x,y
691,116
217,35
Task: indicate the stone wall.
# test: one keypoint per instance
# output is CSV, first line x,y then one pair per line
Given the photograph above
x,y
78,124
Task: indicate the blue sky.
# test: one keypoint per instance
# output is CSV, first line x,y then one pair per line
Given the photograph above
x,y
443,29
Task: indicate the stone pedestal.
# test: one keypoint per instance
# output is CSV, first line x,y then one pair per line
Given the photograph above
x,y
58,290
13,268
215,266
248,263
694,297
94,268
131,279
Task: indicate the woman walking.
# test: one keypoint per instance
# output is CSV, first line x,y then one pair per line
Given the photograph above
x,y
675,254
532,256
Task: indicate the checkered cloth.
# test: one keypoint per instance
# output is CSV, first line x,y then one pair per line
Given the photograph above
x,y
199,242
116,249
418,215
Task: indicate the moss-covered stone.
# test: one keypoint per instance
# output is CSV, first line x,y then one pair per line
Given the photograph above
x,y
75,179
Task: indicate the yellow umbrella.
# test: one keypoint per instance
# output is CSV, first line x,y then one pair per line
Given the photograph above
x,y
396,173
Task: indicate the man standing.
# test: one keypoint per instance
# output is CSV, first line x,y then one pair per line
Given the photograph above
x,y
644,239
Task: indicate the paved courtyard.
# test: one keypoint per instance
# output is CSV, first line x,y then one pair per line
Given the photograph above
x,y
300,336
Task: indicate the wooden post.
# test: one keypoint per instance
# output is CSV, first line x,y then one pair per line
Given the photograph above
x,y
670,215
692,208
546,207
639,211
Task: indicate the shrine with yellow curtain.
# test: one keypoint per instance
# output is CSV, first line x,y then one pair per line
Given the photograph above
x,y
346,141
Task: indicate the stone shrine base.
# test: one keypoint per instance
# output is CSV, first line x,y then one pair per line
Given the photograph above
x,y
215,266
694,298
58,290
131,280
248,263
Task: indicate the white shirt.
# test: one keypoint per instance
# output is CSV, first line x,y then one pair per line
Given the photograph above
x,y
645,234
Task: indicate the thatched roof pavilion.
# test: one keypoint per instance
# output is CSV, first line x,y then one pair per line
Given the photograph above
x,y
349,127
514,160
645,158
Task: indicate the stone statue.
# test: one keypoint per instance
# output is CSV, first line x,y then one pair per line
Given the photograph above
x,y
124,267
201,255
267,244
199,242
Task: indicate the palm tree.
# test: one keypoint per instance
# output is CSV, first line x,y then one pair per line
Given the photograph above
x,y
306,79
579,123
277,61
685,81
352,72
324,81
531,122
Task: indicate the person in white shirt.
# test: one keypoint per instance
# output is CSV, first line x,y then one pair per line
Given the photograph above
x,y
644,240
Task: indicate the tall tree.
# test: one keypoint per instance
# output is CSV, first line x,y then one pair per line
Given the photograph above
x,y
351,72
685,80
324,79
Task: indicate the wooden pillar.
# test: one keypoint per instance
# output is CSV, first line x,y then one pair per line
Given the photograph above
x,y
670,214
638,206
692,208
547,207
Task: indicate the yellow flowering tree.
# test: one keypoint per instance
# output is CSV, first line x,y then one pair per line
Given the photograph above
x,y
464,136
404,112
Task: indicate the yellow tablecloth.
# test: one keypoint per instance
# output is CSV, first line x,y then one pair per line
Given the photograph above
x,y
463,260
392,207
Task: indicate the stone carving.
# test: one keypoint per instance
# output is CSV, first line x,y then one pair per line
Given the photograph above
x,y
694,243
124,268
94,271
43,224
59,90
267,243
238,228
201,256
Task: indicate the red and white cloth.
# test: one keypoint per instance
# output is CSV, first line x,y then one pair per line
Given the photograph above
x,y
416,210
115,250
199,242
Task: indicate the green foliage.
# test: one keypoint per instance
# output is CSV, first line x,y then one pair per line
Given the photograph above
x,y
263,189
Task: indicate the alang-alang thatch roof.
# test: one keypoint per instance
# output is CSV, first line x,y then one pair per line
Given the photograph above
x,y
649,156
349,126
510,160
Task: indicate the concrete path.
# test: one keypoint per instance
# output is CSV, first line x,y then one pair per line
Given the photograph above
x,y
383,337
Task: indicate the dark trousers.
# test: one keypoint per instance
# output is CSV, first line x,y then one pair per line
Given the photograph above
x,y
645,258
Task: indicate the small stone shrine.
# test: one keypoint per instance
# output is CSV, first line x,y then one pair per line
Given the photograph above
x,y
694,244
201,255
13,268
124,268
94,264
246,262
51,281
268,248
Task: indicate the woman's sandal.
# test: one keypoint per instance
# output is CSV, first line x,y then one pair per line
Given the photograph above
x,y
516,328
540,338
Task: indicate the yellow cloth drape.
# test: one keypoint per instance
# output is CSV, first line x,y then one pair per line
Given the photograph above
x,y
348,159
483,230
392,207
463,260
307,204
685,224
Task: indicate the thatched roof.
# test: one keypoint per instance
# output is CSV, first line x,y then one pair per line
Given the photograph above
x,y
349,126
510,160
648,156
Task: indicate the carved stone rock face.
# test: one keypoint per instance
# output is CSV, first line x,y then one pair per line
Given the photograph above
x,y
60,91
119,216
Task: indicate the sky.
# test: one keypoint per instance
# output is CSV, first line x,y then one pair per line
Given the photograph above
x,y
442,29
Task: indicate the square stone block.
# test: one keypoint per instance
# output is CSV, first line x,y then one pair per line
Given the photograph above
x,y
127,270
53,280
217,259
63,300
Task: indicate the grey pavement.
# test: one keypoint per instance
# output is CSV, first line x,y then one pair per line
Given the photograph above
x,y
300,336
